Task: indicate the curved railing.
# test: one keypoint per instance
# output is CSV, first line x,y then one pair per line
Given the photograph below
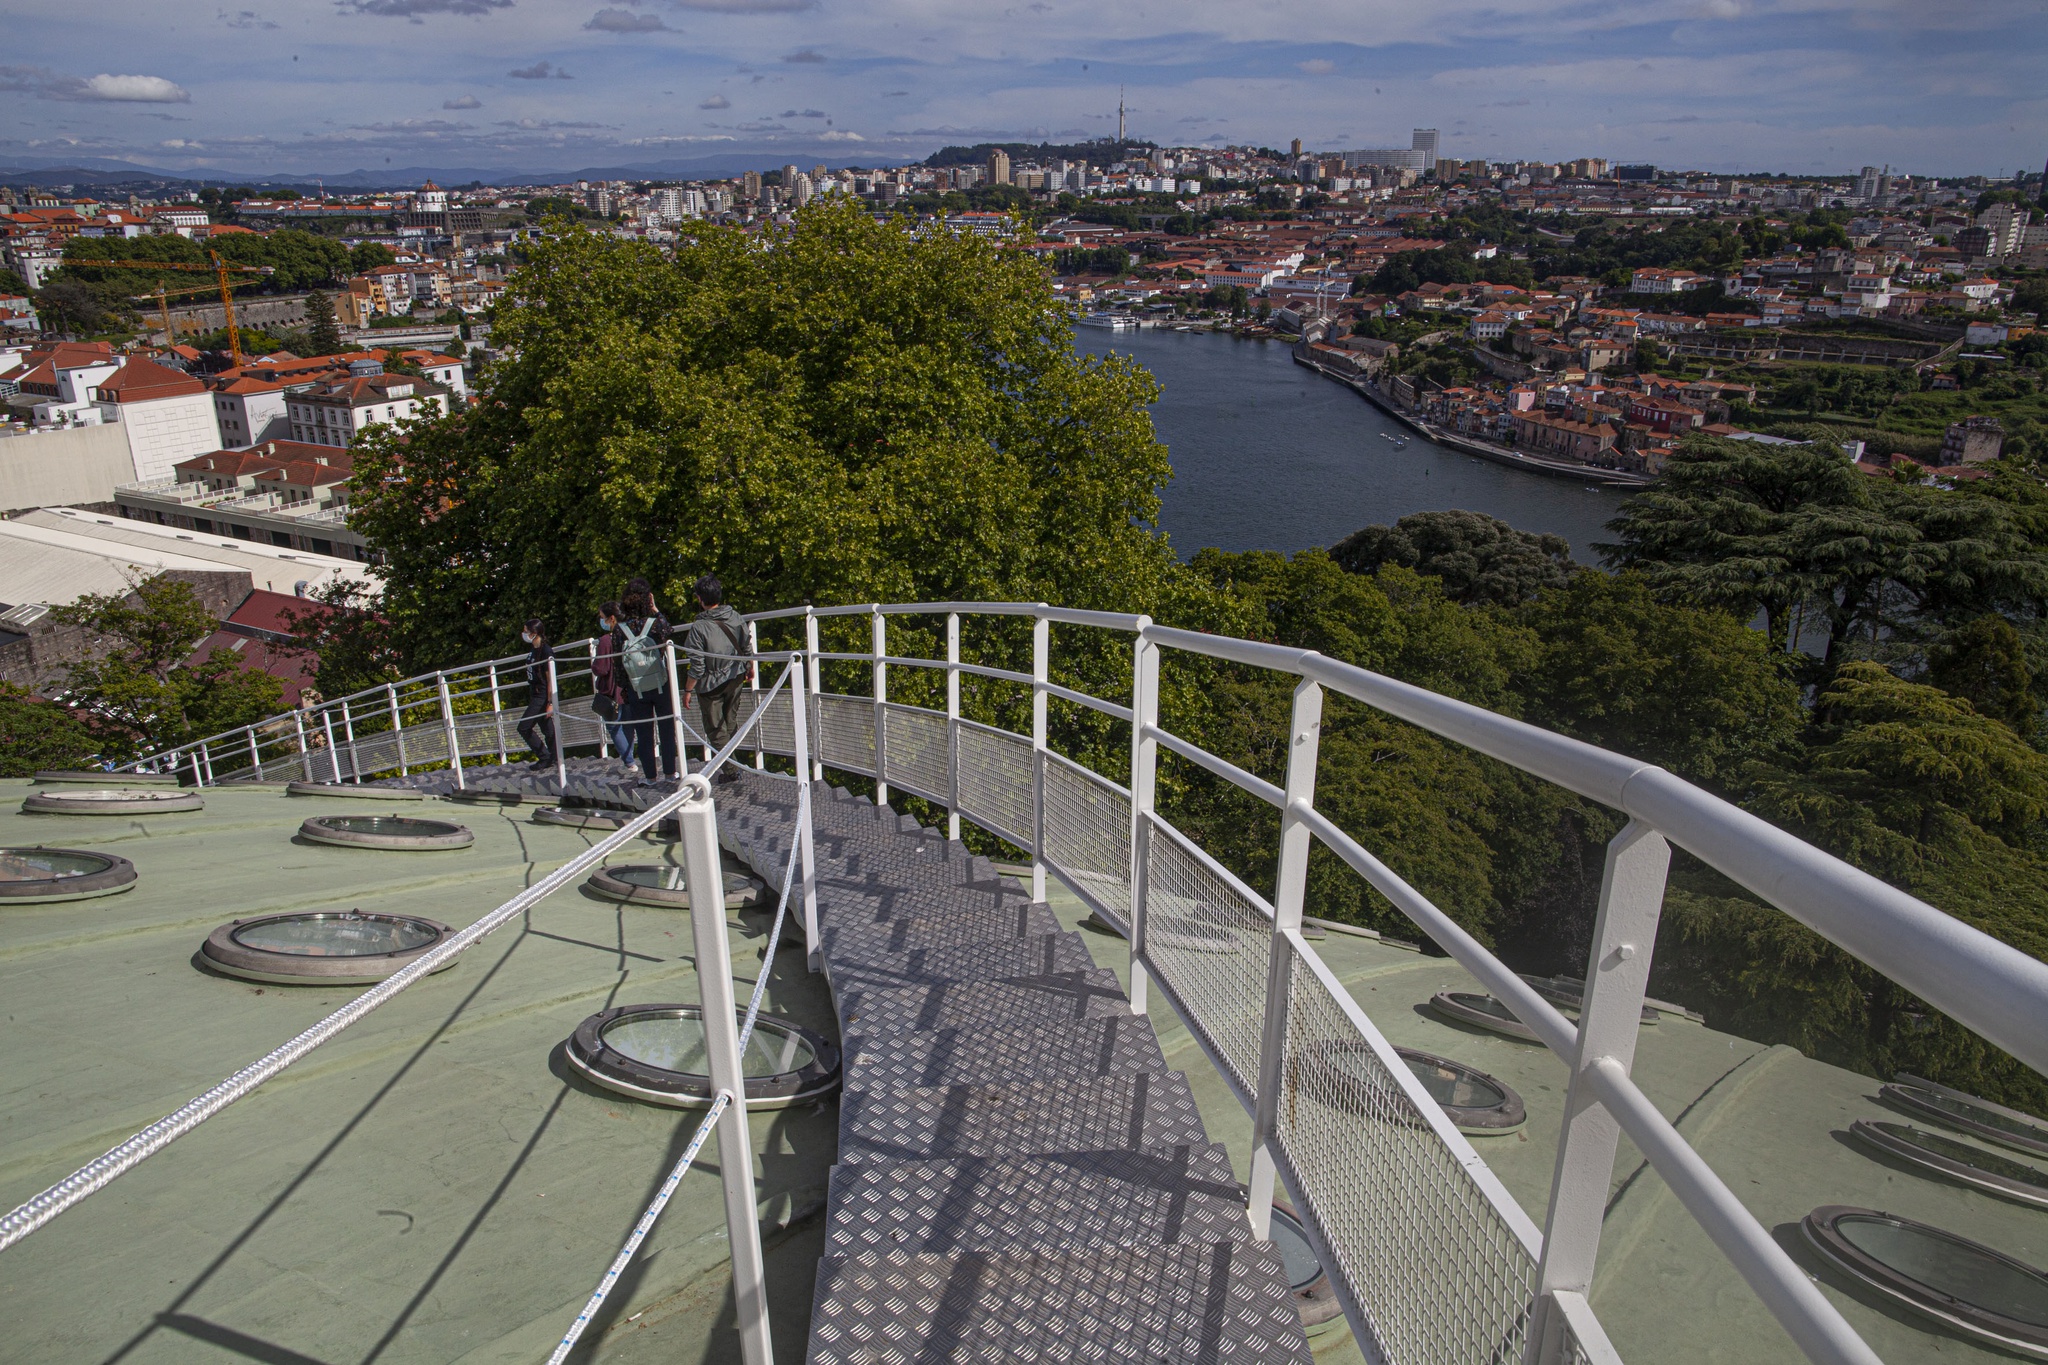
x,y
1431,1257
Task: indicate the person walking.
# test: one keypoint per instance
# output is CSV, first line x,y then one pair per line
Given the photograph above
x,y
716,644
608,687
537,723
649,705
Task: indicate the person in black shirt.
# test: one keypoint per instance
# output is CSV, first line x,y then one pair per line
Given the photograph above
x,y
537,725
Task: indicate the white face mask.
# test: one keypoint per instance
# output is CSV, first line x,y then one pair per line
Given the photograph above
x,y
528,639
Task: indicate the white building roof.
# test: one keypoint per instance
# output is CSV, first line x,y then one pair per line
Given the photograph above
x,y
58,554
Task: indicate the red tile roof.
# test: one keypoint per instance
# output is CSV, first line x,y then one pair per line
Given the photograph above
x,y
139,381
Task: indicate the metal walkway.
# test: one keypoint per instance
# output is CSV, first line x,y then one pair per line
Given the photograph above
x,y
1020,1177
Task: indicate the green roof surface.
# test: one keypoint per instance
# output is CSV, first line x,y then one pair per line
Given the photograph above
x,y
437,1185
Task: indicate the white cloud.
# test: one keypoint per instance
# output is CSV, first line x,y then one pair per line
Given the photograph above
x,y
714,102
46,84
1317,66
625,21
540,71
840,135
463,102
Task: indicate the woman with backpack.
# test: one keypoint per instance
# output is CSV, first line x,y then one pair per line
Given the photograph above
x,y
537,723
607,684
639,647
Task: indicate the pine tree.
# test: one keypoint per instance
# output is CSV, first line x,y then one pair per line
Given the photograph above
x,y
320,324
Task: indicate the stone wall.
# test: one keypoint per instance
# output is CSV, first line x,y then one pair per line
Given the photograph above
x,y
36,660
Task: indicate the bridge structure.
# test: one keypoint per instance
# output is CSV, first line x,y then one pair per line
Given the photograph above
x,y
1019,1175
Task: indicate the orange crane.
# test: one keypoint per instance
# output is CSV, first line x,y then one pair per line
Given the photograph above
x,y
220,270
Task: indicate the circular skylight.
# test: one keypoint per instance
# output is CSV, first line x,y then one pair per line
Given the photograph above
x,y
1962,1284
355,791
1473,1100
32,875
1307,1284
385,831
323,948
1959,1161
657,1053
1481,1011
664,884
1968,1114
111,801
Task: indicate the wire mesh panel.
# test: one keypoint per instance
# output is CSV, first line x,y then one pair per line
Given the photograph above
x,y
777,730
846,733
1087,834
995,781
916,750
1435,1269
1210,944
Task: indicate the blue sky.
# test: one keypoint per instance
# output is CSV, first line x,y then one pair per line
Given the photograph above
x,y
329,86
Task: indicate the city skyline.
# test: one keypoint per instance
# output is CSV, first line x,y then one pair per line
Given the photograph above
x,y
311,87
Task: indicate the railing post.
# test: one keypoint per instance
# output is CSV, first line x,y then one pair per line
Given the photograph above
x,y
706,883
1610,1016
800,722
255,753
878,635
397,727
1041,652
498,718
333,754
754,686
448,728
198,777
206,759
348,729
816,682
675,711
604,747
305,762
555,725
1289,891
1144,778
953,725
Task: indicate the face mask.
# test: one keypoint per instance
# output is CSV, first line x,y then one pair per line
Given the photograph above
x,y
526,639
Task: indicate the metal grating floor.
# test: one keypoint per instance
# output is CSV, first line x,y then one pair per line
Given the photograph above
x,y
1020,1178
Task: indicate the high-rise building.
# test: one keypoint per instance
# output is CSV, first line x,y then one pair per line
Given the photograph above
x,y
998,166
1869,184
1294,149
1424,141
750,185
800,189
789,174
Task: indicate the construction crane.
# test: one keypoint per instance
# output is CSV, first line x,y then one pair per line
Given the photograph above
x,y
220,270
163,297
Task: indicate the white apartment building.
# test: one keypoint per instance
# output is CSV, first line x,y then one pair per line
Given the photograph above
x,y
334,413
166,416
251,411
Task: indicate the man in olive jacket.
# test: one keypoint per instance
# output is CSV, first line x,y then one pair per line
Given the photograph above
x,y
717,677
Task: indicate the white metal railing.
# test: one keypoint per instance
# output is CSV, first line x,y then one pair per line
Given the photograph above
x,y
1431,1257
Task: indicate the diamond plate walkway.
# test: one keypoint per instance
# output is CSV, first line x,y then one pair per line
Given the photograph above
x,y
1020,1178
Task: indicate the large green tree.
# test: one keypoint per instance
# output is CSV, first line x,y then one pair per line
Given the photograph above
x,y
36,734
853,411
1478,557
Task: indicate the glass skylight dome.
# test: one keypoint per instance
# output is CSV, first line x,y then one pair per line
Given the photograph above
x,y
657,1053
335,948
32,875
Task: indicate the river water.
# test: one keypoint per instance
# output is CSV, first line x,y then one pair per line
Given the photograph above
x,y
1268,455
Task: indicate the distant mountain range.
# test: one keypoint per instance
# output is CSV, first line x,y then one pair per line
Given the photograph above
x,y
100,172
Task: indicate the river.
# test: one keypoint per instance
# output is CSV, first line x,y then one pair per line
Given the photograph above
x,y
1268,455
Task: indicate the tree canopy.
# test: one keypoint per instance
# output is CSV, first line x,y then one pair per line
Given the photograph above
x,y
863,412
1478,557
